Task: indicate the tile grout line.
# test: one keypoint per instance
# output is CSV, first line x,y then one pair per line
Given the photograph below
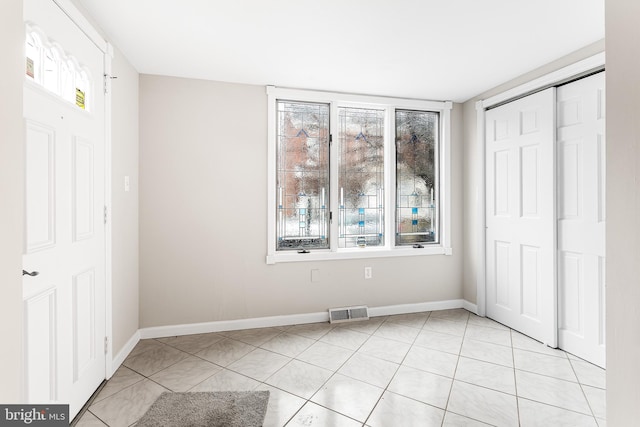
x,y
345,362
386,388
455,371
566,357
582,390
239,373
167,367
336,372
308,400
515,378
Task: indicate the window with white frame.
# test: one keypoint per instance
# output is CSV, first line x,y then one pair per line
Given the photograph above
x,y
354,176
302,175
416,166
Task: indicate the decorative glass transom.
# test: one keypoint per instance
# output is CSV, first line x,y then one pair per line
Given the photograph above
x,y
47,65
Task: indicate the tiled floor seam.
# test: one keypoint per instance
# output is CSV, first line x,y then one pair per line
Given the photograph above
x,y
99,419
385,390
518,397
382,394
401,364
340,367
455,371
547,376
582,390
467,416
515,377
209,361
559,407
306,400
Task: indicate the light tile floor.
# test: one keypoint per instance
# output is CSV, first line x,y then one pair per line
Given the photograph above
x,y
444,368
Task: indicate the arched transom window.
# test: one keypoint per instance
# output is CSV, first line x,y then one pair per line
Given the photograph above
x,y
49,66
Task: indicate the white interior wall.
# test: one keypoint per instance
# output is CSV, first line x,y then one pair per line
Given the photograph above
x,y
12,163
203,218
623,212
124,205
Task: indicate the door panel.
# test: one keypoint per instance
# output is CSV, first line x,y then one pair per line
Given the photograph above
x,y
83,189
40,183
84,311
581,217
521,284
41,346
571,289
529,177
502,250
501,183
530,281
65,233
570,178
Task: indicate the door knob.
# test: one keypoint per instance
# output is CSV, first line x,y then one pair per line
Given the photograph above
x,y
35,273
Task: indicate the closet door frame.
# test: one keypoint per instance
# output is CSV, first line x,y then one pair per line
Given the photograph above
x,y
579,69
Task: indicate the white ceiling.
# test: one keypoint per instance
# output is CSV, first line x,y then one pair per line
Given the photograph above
x,y
442,50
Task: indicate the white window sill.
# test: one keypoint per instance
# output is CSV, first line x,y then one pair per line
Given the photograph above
x,y
356,253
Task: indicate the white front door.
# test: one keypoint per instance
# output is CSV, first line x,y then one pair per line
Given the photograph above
x,y
520,216
581,218
64,305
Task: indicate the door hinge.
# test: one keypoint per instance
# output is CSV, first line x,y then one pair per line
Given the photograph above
x,y
107,78
330,217
105,215
106,344
330,139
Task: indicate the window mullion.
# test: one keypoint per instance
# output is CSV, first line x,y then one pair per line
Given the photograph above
x,y
438,175
271,178
333,176
444,164
390,180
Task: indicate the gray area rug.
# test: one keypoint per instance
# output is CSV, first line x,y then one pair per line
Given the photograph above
x,y
210,409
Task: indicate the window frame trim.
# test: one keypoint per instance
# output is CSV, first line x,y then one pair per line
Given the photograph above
x,y
437,190
389,104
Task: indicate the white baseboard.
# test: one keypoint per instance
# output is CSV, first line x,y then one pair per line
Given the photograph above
x,y
123,353
390,310
469,306
232,325
285,320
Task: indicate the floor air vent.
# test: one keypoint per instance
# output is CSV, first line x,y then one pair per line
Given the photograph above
x,y
348,314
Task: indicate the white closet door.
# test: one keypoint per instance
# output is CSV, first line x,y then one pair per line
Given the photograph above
x,y
581,218
521,217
